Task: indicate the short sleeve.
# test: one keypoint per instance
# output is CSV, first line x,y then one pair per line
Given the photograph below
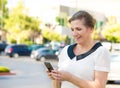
x,y
102,62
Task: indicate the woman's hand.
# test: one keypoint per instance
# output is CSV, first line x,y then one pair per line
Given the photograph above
x,y
60,75
50,75
56,83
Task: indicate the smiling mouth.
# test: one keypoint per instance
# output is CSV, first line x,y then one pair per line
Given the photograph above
x,y
77,38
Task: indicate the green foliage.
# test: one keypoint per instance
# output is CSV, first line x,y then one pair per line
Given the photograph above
x,y
3,12
98,24
4,69
19,24
52,36
96,34
3,8
112,33
61,21
28,42
13,41
19,20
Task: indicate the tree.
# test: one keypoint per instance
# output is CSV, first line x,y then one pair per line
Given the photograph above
x,y
112,33
19,22
52,35
3,13
96,34
62,19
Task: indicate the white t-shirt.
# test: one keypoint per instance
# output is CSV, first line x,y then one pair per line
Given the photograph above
x,y
98,60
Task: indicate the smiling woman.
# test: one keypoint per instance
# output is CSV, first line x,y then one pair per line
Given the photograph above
x,y
84,64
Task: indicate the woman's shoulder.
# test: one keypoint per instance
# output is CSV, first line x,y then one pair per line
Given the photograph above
x,y
103,48
66,48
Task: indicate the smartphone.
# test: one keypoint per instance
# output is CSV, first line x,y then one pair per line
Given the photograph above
x,y
49,66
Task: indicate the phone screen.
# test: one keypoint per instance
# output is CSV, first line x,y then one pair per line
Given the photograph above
x,y
49,66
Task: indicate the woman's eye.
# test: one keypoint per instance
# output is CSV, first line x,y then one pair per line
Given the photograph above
x,y
72,29
79,29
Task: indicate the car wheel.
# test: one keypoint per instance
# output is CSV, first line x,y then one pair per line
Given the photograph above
x,y
37,59
15,55
10,56
42,58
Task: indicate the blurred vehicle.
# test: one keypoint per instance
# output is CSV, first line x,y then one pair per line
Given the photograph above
x,y
35,47
2,47
43,53
16,50
114,74
56,46
59,51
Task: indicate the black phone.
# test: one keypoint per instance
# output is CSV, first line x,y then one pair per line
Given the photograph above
x,y
49,66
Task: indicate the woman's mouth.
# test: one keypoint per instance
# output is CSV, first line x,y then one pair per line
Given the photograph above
x,y
77,38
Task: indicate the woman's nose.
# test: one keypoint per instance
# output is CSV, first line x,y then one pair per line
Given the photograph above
x,y
74,33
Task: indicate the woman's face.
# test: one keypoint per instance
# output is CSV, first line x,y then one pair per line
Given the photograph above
x,y
80,32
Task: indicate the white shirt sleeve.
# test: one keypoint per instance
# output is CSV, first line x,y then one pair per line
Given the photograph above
x,y
102,62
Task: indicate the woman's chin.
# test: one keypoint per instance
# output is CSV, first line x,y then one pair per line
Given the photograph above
x,y
79,42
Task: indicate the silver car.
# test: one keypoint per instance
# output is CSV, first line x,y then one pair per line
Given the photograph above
x,y
42,54
114,74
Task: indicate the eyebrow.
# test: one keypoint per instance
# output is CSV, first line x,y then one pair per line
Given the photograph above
x,y
76,28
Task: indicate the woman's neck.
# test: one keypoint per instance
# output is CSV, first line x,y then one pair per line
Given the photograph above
x,y
87,44
82,48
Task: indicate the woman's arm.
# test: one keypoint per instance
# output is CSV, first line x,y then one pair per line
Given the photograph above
x,y
98,82
56,84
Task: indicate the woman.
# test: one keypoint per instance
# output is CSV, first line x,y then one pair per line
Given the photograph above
x,y
84,64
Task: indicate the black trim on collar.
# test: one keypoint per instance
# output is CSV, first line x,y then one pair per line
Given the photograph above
x,y
81,56
70,51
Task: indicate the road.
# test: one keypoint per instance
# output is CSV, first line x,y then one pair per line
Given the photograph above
x,y
29,74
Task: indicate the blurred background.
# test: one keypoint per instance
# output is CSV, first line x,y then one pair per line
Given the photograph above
x,y
40,22
37,30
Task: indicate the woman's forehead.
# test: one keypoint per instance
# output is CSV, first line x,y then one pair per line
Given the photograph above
x,y
77,23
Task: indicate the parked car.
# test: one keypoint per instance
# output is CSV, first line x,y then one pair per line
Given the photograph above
x,y
16,50
43,53
114,74
35,47
2,47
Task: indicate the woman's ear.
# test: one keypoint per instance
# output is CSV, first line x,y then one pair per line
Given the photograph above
x,y
91,30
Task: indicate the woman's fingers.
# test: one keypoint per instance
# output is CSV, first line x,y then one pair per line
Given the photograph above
x,y
49,75
56,75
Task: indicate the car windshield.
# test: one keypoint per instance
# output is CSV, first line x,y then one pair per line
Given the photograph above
x,y
115,57
35,47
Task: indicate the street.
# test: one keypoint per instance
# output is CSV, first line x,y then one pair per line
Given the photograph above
x,y
29,74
